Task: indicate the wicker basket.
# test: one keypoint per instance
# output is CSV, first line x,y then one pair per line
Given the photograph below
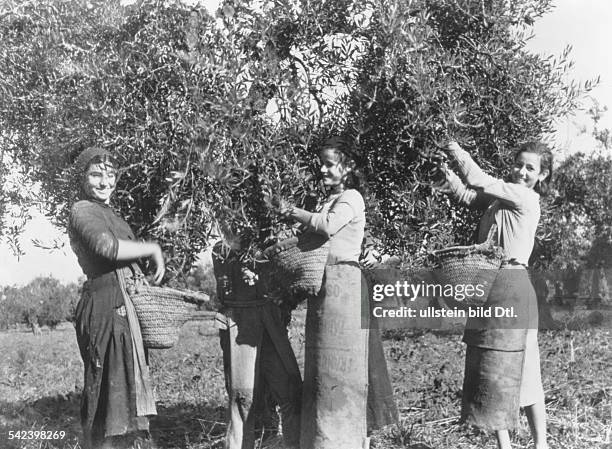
x,y
162,311
469,265
298,263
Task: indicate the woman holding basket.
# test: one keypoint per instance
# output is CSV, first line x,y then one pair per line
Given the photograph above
x,y
502,367
117,394
335,387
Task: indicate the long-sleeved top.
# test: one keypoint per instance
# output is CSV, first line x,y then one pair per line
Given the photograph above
x,y
342,220
515,208
94,233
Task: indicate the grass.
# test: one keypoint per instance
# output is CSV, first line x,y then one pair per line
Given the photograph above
x,y
41,377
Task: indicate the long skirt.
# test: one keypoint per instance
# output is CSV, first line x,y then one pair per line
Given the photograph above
x,y
336,363
382,410
532,391
108,402
495,354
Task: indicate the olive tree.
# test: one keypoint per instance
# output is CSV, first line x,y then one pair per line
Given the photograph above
x,y
215,118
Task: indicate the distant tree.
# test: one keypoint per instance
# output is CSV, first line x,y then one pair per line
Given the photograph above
x,y
203,278
10,308
59,306
44,301
579,223
214,117
575,244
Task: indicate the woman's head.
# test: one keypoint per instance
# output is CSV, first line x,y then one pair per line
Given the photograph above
x,y
533,166
337,166
97,174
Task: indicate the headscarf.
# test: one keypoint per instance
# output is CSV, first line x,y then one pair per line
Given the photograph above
x,y
82,162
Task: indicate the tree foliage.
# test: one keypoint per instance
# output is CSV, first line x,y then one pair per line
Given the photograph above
x,y
441,69
216,117
581,229
577,218
44,301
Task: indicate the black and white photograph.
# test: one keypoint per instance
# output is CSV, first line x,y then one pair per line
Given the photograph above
x,y
305,224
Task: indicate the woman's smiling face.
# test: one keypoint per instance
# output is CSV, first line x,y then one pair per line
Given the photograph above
x,y
332,169
527,169
99,182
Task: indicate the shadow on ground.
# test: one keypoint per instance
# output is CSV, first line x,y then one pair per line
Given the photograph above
x,y
203,425
58,413
185,425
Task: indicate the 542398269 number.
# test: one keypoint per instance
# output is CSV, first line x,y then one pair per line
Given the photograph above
x,y
36,434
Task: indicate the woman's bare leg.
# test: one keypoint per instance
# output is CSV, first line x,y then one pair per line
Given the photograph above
x,y
503,439
536,416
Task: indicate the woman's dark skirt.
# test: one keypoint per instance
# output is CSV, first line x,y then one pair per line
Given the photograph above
x,y
495,353
108,402
491,388
382,410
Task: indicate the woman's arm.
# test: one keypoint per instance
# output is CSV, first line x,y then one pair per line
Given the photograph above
x,y
510,193
330,222
131,250
455,188
89,226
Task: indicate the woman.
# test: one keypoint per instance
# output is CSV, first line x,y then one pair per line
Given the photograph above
x,y
117,394
336,358
502,368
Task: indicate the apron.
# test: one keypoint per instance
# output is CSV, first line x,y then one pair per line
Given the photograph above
x,y
336,363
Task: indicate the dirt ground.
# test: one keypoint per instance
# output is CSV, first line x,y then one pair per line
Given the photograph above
x,y
41,378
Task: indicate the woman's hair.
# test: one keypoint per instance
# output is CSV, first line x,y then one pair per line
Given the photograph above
x,y
343,148
546,162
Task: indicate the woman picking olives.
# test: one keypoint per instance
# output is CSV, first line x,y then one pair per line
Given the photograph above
x,y
117,394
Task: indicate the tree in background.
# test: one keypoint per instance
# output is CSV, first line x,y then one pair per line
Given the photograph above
x,y
578,226
10,307
582,224
44,301
215,117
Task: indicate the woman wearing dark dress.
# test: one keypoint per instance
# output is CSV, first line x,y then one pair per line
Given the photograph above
x,y
117,393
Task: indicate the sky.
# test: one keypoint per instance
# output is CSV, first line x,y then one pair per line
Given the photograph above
x,y
583,24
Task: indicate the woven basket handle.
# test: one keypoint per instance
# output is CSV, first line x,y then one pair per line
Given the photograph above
x,y
138,277
492,235
491,238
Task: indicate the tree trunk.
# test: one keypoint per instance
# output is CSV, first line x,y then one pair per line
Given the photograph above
x,y
35,328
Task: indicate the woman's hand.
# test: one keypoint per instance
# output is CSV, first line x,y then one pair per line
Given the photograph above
x,y
370,257
451,183
281,206
131,250
452,146
284,208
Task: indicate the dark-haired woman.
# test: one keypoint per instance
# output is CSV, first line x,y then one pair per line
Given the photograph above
x,y
117,394
336,358
502,368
